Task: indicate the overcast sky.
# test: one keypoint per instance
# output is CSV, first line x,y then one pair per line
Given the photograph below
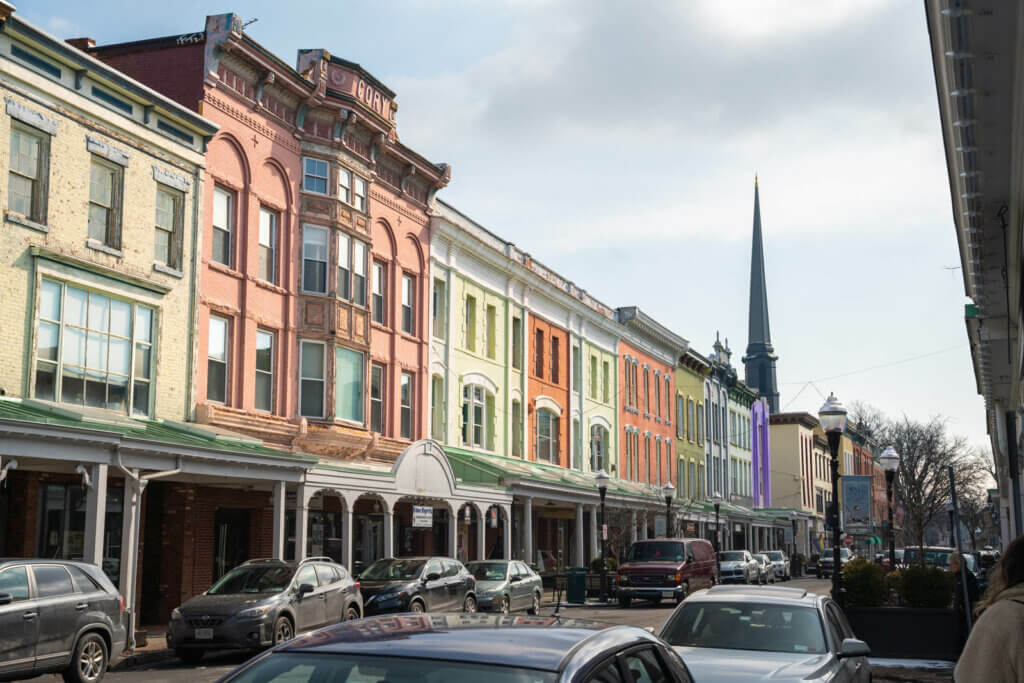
x,y
617,142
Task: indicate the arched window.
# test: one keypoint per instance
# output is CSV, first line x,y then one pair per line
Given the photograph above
x,y
477,417
547,435
598,448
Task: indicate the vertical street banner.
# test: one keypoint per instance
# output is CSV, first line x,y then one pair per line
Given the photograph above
x,y
856,503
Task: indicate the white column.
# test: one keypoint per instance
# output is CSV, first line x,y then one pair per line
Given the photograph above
x,y
130,552
481,537
389,530
346,535
528,528
643,526
507,536
632,526
595,533
580,560
95,515
453,531
279,521
301,522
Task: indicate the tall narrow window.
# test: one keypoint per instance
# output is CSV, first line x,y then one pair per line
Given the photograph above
x,y
690,423
538,350
105,202
547,436
359,273
26,184
636,385
377,398
593,377
657,460
217,361
265,371
169,225
470,323
314,259
348,391
345,185
405,420
408,304
628,365
360,193
555,357
577,369
474,416
517,343
440,309
267,266
344,266
223,226
314,176
657,396
377,305
605,372
668,398
490,330
647,459
647,392
311,379
517,429
598,448
437,408
680,433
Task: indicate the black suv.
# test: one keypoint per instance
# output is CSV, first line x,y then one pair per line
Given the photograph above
x,y
58,616
418,584
262,603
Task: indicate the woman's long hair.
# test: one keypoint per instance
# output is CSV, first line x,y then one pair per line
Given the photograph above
x,y
1007,573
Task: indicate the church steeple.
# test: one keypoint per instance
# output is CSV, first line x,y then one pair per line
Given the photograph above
x,y
759,361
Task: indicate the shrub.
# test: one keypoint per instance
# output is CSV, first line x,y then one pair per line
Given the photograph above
x,y
865,583
612,564
892,584
926,587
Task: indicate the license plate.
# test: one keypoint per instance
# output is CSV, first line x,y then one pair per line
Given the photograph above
x,y
668,594
204,634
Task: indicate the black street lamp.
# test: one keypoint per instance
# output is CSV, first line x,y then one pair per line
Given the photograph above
x,y
890,461
718,503
669,491
601,479
833,421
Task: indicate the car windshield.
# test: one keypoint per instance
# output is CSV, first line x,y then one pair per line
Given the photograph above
x,y
393,570
307,667
746,626
731,556
776,556
656,551
488,571
253,579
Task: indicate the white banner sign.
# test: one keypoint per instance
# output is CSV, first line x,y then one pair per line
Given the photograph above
x,y
422,516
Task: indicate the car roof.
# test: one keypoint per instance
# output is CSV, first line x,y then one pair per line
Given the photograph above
x,y
765,594
543,643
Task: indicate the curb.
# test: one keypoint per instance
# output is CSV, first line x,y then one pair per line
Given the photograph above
x,y
142,658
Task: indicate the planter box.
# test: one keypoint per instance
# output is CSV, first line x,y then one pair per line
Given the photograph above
x,y
908,632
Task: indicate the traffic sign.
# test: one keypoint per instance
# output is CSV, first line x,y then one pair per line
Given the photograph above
x,y
848,540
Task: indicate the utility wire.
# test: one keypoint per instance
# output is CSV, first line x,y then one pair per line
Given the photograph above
x,y
880,366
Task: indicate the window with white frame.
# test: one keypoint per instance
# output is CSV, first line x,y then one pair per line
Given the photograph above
x,y
647,459
437,408
593,377
680,433
360,193
469,320
359,273
314,259
345,185
405,405
217,359
267,266
378,306
598,448
312,385
348,385
605,389
440,309
344,266
490,331
647,392
668,399
223,226
105,191
475,420
577,369
27,182
314,175
377,388
169,224
517,428
93,349
408,304
517,343
657,396
657,459
265,370
547,436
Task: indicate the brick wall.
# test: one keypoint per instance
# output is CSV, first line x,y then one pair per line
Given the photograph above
x,y
182,83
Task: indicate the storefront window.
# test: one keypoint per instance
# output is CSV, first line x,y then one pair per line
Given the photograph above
x,y
62,526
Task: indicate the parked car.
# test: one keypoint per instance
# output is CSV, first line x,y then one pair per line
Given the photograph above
x,y
931,555
827,561
665,568
781,564
469,647
505,586
765,569
418,584
736,633
737,566
261,603
58,616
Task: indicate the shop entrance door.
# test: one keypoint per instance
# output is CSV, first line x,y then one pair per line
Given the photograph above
x,y
230,540
369,539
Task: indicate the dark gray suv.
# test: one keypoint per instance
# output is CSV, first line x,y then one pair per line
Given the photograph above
x,y
262,603
58,616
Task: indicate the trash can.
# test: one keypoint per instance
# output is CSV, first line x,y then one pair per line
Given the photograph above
x,y
576,584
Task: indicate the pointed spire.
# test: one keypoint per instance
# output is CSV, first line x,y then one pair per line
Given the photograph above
x,y
760,357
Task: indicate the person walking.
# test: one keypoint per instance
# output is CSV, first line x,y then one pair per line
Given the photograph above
x,y
961,574
995,648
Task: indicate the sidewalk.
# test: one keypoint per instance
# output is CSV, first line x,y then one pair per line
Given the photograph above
x,y
154,650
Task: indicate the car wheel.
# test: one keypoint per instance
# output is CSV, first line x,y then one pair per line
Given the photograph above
x,y
89,662
536,604
625,602
351,613
283,630
417,607
469,604
189,656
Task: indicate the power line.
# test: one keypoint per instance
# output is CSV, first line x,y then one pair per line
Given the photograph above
x,y
880,366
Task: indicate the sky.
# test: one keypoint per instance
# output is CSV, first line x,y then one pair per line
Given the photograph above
x,y
617,141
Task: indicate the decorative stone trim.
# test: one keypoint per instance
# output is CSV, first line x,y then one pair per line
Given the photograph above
x,y
17,110
101,148
167,270
18,219
174,180
99,246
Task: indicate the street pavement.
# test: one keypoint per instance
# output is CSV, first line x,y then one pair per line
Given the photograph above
x,y
163,667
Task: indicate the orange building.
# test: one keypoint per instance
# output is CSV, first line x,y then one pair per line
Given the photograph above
x,y
548,385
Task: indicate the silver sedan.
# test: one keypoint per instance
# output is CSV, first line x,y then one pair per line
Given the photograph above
x,y
505,586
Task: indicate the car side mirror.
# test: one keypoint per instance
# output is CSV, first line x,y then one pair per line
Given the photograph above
x,y
432,576
852,647
515,579
305,588
6,598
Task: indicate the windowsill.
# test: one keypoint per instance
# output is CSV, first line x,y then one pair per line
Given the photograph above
x,y
99,246
380,326
167,270
319,295
270,286
410,337
18,219
221,268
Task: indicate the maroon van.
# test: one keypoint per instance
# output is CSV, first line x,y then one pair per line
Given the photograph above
x,y
668,568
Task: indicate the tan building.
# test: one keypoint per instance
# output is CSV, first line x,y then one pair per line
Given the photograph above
x,y
795,480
